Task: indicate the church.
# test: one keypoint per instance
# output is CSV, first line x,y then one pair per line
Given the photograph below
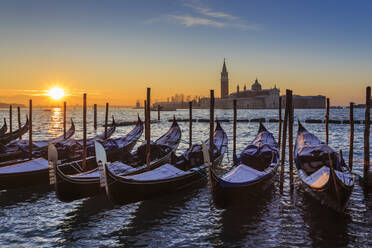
x,y
255,97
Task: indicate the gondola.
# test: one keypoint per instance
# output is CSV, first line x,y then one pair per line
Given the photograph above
x,y
322,171
4,128
35,172
183,172
19,149
8,137
72,187
252,172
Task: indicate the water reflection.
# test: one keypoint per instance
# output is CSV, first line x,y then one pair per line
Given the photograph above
x,y
238,225
9,198
151,216
55,126
325,226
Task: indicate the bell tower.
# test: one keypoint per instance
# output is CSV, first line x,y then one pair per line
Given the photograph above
x,y
224,81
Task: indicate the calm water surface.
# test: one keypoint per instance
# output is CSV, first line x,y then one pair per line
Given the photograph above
x,y
35,217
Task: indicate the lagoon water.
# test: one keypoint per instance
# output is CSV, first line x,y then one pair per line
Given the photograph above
x,y
35,217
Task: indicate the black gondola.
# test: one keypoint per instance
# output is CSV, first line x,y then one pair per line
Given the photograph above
x,y
186,171
323,172
8,137
4,128
35,172
19,149
251,173
72,187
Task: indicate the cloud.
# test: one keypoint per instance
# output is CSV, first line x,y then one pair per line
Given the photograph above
x,y
192,21
203,16
189,21
195,5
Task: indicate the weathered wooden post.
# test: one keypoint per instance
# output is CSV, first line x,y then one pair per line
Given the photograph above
x,y
30,131
106,118
351,139
284,139
327,121
234,128
280,121
290,136
211,127
145,114
95,116
84,164
10,118
366,135
190,124
19,119
158,112
64,119
148,149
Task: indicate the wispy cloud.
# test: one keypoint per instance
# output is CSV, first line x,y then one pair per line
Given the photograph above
x,y
203,16
192,21
195,5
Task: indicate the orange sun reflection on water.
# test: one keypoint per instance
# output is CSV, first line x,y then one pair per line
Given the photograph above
x,y
56,122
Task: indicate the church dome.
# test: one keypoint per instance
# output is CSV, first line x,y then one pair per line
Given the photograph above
x,y
256,85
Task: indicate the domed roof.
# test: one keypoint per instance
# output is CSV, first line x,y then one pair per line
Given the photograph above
x,y
256,85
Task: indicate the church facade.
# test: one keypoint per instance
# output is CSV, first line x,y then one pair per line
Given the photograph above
x,y
255,97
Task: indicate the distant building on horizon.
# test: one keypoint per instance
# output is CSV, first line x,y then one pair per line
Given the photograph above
x,y
224,81
254,98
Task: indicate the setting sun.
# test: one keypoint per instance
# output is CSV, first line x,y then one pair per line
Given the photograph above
x,y
56,93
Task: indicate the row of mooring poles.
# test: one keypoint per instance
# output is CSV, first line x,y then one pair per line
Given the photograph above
x,y
11,118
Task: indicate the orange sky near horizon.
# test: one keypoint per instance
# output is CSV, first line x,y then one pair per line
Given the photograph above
x,y
124,86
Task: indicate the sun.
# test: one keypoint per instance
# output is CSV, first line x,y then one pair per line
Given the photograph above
x,y
56,93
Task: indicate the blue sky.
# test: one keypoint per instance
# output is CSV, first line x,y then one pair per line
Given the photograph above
x,y
312,47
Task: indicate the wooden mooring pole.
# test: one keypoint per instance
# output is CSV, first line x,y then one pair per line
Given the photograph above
x,y
366,135
351,139
284,138
106,118
19,119
327,121
158,112
280,121
290,136
190,124
84,163
30,131
234,128
145,114
211,127
10,118
148,132
95,116
64,119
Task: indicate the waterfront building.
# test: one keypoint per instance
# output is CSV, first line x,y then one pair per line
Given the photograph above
x,y
254,98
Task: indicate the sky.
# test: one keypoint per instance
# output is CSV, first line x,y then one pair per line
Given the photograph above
x,y
113,50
